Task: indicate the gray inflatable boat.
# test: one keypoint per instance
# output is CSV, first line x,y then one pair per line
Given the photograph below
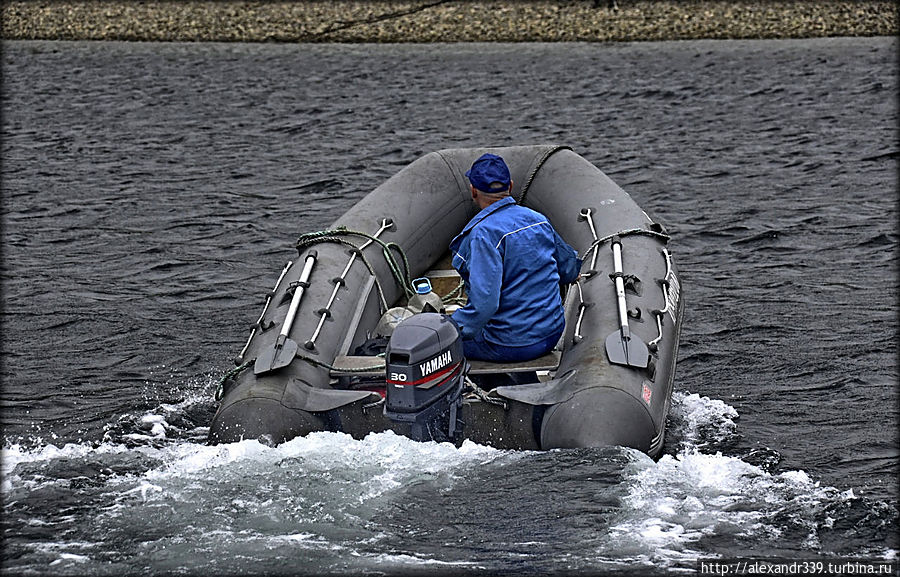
x,y
348,341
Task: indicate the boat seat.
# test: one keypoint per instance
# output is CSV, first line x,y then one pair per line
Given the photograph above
x,y
374,366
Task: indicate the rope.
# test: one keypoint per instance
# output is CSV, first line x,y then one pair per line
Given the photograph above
x,y
372,405
483,395
362,258
402,277
220,388
540,163
629,232
451,297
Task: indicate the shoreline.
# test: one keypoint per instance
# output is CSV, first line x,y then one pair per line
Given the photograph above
x,y
426,21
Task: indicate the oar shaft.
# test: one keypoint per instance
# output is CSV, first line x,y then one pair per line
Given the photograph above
x,y
621,347
623,308
298,294
620,289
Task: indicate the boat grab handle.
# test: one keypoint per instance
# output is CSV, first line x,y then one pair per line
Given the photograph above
x,y
240,358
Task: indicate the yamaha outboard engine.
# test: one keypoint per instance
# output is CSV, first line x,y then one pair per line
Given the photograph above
x,y
426,371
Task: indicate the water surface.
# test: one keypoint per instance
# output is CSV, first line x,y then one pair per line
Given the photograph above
x,y
152,193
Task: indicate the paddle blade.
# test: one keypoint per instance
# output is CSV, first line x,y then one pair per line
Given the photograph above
x,y
631,352
276,357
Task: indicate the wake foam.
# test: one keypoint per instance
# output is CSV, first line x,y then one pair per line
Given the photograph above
x,y
327,494
687,504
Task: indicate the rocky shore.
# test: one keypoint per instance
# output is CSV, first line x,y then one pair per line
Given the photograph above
x,y
445,20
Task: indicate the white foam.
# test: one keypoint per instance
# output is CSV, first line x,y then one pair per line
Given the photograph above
x,y
406,559
325,478
385,452
674,503
703,419
63,557
296,537
158,425
14,455
144,489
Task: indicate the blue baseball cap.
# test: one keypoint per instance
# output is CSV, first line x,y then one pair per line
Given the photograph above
x,y
489,174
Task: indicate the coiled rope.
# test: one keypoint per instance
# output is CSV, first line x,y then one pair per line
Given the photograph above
x,y
402,277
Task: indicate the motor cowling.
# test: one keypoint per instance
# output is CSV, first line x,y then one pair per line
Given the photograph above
x,y
425,375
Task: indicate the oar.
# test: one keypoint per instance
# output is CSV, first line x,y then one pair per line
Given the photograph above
x,y
622,347
284,350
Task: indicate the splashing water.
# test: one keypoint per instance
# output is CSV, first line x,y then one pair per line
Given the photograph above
x,y
153,499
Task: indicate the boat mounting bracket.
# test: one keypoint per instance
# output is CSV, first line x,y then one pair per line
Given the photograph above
x,y
546,393
316,400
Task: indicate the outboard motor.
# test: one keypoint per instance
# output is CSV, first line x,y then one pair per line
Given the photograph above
x,y
425,376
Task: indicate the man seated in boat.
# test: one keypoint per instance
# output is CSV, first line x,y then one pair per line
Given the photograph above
x,y
512,261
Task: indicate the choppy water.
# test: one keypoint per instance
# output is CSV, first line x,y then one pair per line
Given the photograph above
x,y
152,192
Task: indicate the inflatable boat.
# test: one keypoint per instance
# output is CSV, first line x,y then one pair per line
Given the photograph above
x,y
354,336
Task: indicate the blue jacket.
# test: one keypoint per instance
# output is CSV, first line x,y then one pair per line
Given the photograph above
x,y
512,262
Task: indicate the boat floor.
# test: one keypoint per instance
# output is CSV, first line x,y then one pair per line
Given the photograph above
x,y
444,279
